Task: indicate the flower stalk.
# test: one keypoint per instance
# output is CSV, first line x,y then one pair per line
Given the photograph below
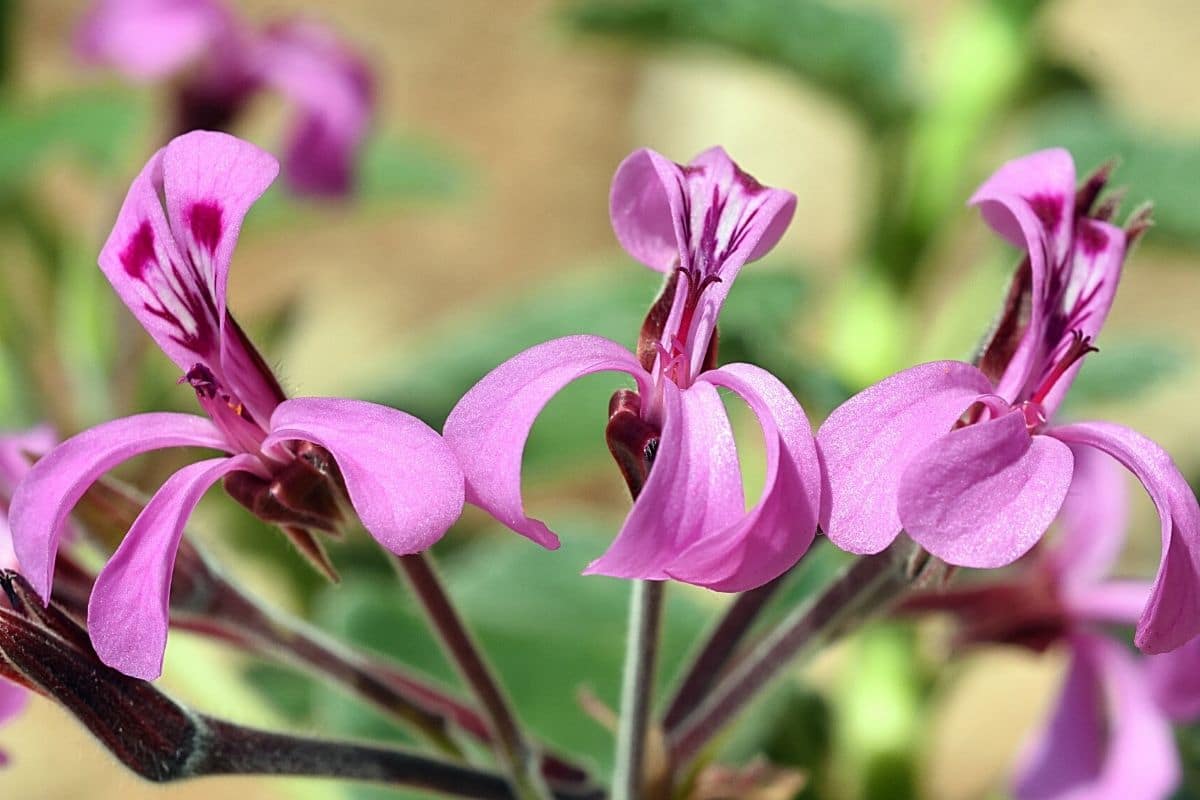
x,y
637,689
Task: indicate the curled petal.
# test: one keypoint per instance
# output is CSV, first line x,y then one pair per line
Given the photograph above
x,y
982,495
1030,201
149,39
695,487
1093,521
868,440
128,610
648,207
764,543
52,488
402,479
1172,614
1106,738
331,88
488,427
1175,681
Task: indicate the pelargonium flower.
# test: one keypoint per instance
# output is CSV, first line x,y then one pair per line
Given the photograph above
x,y
222,63
289,461
1108,736
671,436
16,450
966,459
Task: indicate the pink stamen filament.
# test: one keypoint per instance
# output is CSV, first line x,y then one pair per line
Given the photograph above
x,y
1080,346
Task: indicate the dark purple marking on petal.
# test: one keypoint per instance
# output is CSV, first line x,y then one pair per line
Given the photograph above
x,y
1049,209
1092,238
205,220
139,251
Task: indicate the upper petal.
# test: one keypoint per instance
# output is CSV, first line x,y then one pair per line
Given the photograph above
x,y
331,88
694,487
867,441
403,481
1107,739
172,276
648,207
761,545
56,482
982,495
488,427
1030,201
149,39
1172,615
129,607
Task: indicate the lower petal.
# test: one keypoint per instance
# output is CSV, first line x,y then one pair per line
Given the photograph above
x,y
488,427
695,485
982,495
766,542
54,485
403,481
867,441
1172,614
1175,682
128,610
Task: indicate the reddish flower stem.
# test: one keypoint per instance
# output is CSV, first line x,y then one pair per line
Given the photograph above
x,y
863,590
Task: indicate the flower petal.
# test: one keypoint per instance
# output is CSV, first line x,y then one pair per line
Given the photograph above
x,y
1030,201
648,207
1175,681
149,39
403,480
128,611
1172,615
1106,692
488,427
1117,602
331,88
13,700
695,486
764,543
982,495
54,485
1093,521
867,441
16,450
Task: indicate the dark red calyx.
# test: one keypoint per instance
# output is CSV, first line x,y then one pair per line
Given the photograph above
x,y
632,440
651,334
304,491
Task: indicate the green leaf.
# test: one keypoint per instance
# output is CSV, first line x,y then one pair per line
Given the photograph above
x,y
1155,168
853,53
92,125
1124,368
410,168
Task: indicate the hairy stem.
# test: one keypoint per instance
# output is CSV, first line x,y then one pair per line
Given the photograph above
x,y
864,589
637,688
717,650
465,654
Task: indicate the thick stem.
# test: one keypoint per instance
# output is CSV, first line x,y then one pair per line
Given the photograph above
x,y
864,589
467,657
717,650
637,689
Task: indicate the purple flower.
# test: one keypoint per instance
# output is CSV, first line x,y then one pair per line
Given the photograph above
x,y
290,461
965,459
223,63
16,450
671,437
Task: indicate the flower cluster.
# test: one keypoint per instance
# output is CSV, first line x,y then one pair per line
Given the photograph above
x,y
222,63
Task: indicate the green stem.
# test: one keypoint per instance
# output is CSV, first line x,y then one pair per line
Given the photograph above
x,y
637,689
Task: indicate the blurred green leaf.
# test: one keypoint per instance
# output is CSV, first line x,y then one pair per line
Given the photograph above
x,y
410,168
852,52
1124,368
93,125
1156,168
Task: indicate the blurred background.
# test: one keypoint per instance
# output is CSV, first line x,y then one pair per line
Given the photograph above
x,y
479,227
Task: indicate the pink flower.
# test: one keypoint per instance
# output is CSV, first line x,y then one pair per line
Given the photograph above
x,y
224,63
16,449
698,225
290,461
965,459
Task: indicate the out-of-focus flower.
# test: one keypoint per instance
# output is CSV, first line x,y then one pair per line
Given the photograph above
x,y
289,461
671,437
965,459
16,451
1108,736
220,63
